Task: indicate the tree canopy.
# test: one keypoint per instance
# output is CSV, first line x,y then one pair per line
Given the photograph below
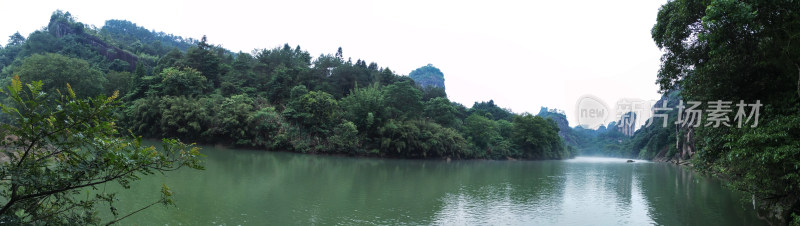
x,y
273,98
740,50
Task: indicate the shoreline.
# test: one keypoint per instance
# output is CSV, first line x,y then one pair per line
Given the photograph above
x,y
771,213
366,155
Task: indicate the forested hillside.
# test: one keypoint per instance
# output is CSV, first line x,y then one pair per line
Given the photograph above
x,y
740,51
273,99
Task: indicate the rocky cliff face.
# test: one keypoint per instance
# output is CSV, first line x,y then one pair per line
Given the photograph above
x,y
560,118
60,29
428,76
684,146
627,124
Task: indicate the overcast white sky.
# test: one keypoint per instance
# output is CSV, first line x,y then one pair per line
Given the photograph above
x,y
522,54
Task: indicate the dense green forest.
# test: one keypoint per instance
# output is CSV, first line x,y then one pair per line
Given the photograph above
x,y
284,99
748,50
274,99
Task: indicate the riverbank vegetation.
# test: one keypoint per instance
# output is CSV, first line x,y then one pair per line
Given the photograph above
x,y
284,99
274,99
728,50
731,51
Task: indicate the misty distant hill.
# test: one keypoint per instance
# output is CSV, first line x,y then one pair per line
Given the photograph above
x,y
428,75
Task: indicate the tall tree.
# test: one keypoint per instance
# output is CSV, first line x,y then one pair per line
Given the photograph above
x,y
366,108
480,130
15,40
57,71
441,111
403,100
538,138
202,58
173,58
316,110
185,82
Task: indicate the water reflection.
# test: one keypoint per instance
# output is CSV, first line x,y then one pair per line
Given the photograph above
x,y
605,191
601,191
687,198
254,187
528,194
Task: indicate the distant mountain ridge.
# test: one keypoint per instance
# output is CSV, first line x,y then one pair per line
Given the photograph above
x,y
119,45
61,28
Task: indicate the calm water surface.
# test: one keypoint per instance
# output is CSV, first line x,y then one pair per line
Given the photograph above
x,y
242,187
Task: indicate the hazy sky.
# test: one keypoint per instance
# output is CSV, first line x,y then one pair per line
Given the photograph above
x,y
522,54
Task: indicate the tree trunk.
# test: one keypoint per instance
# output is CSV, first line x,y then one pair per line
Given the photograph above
x,y
798,78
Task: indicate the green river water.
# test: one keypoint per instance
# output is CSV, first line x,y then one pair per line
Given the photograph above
x,y
245,187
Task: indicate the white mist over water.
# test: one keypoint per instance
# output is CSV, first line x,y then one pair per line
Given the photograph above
x,y
592,159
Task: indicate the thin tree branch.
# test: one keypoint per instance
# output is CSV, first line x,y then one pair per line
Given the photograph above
x,y
132,213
